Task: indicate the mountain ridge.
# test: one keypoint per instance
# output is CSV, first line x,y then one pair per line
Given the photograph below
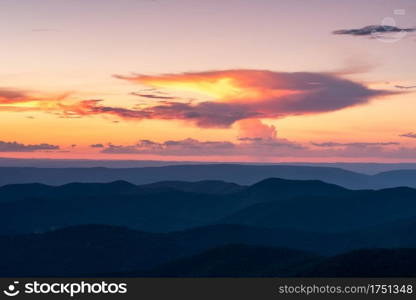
x,y
233,173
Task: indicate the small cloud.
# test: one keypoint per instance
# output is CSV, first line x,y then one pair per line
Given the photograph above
x,y
411,135
373,29
97,146
18,147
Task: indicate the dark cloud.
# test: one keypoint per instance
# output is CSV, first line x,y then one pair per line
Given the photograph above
x,y
153,96
409,135
373,29
97,146
205,114
17,147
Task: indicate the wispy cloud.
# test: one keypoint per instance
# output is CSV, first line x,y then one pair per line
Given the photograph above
x,y
411,135
193,147
373,29
403,87
358,145
152,96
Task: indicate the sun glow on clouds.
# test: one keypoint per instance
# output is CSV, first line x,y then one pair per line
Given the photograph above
x,y
17,100
223,86
235,95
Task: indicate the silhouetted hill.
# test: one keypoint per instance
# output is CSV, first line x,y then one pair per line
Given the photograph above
x,y
396,178
337,213
202,238
276,189
367,263
83,250
99,250
399,234
237,261
16,192
161,211
249,261
202,187
396,234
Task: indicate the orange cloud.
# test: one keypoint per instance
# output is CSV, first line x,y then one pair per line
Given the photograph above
x,y
230,85
254,128
10,96
18,100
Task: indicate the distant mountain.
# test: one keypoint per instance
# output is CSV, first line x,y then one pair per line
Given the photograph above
x,y
237,261
367,263
16,192
168,206
240,174
366,168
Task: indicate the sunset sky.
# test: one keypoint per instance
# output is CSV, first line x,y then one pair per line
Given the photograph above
x,y
235,80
